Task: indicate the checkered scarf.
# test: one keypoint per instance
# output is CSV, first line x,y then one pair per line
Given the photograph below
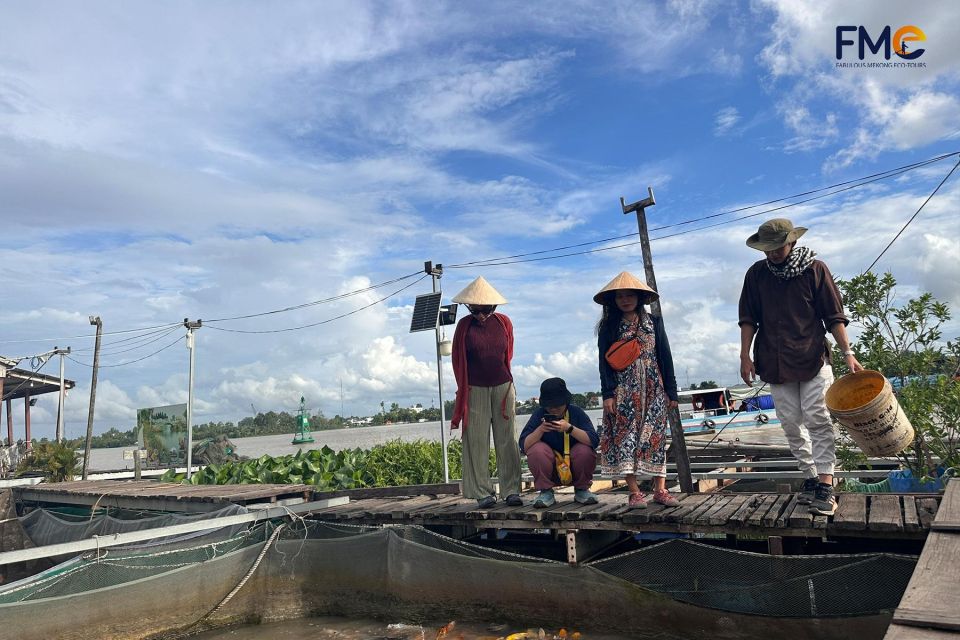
x,y
795,264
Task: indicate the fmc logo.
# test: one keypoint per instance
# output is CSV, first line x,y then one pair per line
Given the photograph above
x,y
903,35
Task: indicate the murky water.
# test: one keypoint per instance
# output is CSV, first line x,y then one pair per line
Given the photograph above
x,y
368,437
347,629
338,439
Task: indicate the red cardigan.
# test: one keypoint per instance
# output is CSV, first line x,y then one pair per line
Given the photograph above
x,y
461,406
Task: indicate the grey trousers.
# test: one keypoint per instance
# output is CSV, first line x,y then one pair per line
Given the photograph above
x,y
806,421
486,408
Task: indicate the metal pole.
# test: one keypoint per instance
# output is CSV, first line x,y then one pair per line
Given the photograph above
x,y
436,272
679,445
94,320
191,327
63,393
3,377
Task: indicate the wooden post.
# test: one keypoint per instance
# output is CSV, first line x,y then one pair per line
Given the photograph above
x,y
678,445
136,463
775,545
3,377
94,320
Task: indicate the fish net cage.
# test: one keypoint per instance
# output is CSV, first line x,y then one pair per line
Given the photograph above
x,y
756,583
297,567
114,566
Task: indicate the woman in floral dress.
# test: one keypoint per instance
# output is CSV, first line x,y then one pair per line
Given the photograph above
x,y
636,399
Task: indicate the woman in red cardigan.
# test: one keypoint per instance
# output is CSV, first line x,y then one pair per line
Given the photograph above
x,y
482,351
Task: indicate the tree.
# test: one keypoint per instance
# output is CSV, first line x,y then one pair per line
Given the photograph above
x,y
57,461
906,342
706,384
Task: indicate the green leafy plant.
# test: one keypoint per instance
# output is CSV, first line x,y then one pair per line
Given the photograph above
x,y
57,461
905,342
395,463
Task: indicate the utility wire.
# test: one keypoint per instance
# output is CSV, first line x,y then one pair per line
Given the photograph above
x,y
846,186
33,369
140,339
933,193
140,345
123,364
144,331
315,324
86,336
317,302
872,178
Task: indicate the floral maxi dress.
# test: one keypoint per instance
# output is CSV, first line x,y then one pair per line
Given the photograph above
x,y
633,439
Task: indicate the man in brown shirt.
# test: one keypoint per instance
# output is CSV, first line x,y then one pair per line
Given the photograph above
x,y
788,302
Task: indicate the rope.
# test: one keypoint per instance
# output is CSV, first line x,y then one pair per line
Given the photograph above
x,y
263,552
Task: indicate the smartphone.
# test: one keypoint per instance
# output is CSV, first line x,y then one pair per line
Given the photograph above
x,y
549,418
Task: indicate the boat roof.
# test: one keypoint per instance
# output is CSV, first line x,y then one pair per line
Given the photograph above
x,y
693,392
737,392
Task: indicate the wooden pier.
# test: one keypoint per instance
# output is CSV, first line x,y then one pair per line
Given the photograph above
x,y
888,516
159,496
930,608
762,514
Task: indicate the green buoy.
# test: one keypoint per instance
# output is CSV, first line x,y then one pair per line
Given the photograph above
x,y
303,424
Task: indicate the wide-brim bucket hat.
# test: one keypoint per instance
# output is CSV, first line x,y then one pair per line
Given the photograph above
x,y
626,280
554,392
480,292
774,234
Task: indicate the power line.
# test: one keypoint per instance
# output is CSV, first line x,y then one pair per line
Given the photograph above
x,y
318,302
315,324
871,178
123,364
43,363
933,193
152,330
140,339
140,345
847,186
86,336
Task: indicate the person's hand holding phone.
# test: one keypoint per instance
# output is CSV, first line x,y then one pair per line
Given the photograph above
x,y
554,423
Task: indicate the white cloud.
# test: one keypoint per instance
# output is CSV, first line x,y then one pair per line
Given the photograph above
x,y
901,108
725,120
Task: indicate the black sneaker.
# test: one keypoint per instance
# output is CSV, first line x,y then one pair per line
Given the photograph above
x,y
806,492
824,504
486,503
514,500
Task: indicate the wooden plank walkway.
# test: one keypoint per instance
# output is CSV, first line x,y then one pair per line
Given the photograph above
x,y
160,496
761,514
858,515
930,608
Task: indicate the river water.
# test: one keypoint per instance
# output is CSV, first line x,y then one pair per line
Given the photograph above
x,y
280,445
368,437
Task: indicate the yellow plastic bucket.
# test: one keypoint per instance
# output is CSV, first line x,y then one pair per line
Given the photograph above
x,y
864,403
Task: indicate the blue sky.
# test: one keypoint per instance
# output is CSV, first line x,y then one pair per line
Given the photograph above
x,y
217,159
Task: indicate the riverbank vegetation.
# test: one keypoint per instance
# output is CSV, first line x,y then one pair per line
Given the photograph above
x,y
394,463
905,343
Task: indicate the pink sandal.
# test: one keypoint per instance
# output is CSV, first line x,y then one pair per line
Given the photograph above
x,y
663,497
637,500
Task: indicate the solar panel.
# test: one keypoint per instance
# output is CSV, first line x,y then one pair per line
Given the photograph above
x,y
425,312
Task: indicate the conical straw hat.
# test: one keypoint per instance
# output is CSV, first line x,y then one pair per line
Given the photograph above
x,y
626,280
479,292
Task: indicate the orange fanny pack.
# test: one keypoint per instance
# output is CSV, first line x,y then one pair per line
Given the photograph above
x,y
623,353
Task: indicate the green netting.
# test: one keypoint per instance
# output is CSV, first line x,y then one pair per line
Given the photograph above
x,y
110,567
670,590
731,580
